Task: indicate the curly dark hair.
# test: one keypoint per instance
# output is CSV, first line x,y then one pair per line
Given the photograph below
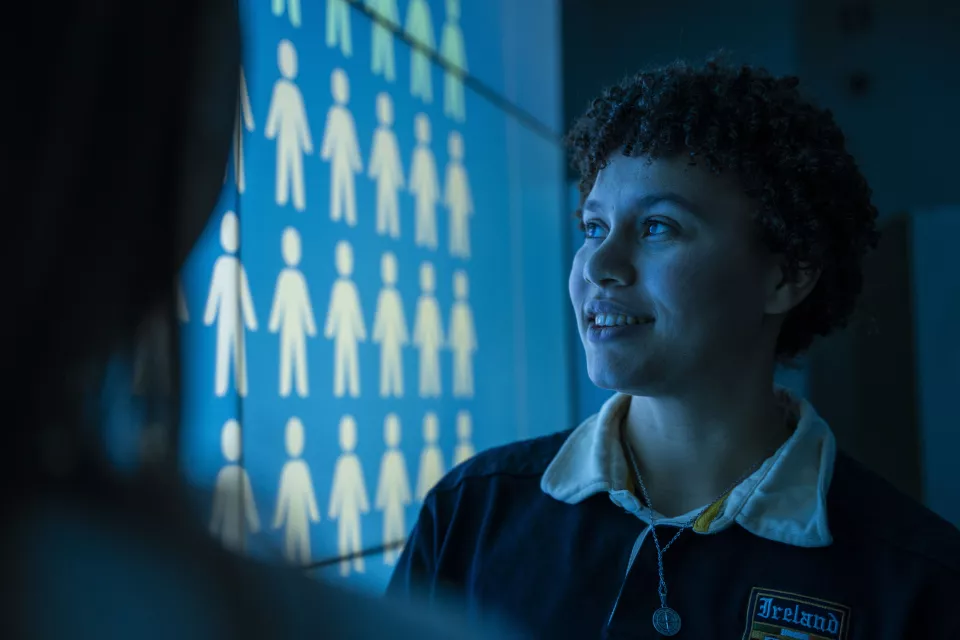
x,y
789,156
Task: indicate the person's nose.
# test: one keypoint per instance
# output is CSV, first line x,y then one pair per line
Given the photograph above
x,y
611,264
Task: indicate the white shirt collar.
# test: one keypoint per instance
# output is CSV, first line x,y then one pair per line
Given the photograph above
x,y
784,500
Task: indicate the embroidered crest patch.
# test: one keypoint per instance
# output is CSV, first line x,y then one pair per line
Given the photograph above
x,y
780,615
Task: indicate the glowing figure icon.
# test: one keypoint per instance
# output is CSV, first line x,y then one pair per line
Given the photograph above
x,y
463,337
458,198
243,120
393,491
341,150
231,307
345,325
287,124
428,333
453,51
387,169
182,312
292,316
390,330
234,511
338,26
464,450
431,458
424,185
348,499
419,26
296,502
292,7
382,54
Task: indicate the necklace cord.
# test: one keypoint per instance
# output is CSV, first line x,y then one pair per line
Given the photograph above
x,y
666,620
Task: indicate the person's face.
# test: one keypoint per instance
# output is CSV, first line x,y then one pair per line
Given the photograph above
x,y
671,283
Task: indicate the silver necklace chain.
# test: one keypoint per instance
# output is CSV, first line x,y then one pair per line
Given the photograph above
x,y
666,620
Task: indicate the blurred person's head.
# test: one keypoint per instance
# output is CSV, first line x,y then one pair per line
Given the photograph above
x,y
118,135
724,222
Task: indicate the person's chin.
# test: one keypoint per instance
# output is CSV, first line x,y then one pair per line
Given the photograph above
x,y
615,375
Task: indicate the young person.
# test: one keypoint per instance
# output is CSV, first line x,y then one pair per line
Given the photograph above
x,y
122,118
724,227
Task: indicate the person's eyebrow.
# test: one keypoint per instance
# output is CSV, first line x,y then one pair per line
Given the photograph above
x,y
592,206
648,201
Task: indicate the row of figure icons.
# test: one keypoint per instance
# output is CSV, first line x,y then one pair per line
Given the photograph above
x,y
230,306
235,515
287,123
418,26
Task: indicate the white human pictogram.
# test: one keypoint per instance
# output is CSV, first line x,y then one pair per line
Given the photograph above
x,y
296,502
386,169
234,510
287,124
419,26
431,458
390,330
291,7
345,325
292,316
393,491
428,333
382,61
229,305
453,51
424,185
341,149
338,26
464,450
242,120
348,499
463,337
458,198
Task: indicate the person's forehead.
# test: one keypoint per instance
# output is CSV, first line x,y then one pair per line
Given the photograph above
x,y
629,183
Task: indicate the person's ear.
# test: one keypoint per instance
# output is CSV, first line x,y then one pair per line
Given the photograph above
x,y
786,293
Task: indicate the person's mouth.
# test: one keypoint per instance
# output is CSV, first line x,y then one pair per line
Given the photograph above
x,y
607,319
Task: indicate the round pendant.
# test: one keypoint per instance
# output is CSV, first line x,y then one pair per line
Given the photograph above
x,y
666,621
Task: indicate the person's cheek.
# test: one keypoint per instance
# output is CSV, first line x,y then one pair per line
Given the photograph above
x,y
576,285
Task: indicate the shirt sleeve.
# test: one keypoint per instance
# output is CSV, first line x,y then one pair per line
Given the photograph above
x,y
416,570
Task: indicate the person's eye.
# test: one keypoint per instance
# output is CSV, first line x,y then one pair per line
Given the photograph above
x,y
593,231
657,229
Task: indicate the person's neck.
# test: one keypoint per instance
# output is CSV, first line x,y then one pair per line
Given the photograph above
x,y
692,447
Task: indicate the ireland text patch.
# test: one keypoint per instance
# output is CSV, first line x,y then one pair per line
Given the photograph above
x,y
780,615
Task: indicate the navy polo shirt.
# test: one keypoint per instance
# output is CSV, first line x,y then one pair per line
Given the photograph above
x,y
547,535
